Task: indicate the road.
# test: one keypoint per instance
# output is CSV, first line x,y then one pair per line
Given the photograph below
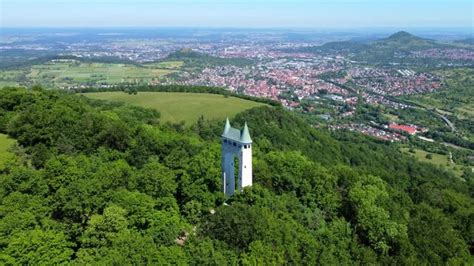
x,y
446,120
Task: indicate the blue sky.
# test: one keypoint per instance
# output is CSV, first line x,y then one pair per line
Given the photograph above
x,y
237,13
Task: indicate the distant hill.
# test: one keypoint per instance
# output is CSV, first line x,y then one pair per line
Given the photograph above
x,y
186,54
469,41
401,35
403,41
392,49
396,49
195,59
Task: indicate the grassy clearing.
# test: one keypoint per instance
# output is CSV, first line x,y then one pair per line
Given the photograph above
x,y
443,112
392,118
8,84
5,144
466,111
177,107
437,159
166,65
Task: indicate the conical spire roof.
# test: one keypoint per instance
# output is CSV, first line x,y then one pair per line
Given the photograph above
x,y
227,126
241,136
245,136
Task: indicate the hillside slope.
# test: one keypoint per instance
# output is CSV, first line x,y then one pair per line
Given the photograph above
x,y
394,49
101,183
404,41
175,107
193,59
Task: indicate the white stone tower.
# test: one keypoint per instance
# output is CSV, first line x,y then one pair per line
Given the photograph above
x,y
236,143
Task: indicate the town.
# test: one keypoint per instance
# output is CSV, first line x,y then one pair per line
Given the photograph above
x,y
327,85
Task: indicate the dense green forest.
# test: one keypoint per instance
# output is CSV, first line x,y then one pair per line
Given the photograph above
x,y
94,182
193,59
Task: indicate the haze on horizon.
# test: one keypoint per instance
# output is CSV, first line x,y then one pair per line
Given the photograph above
x,y
237,13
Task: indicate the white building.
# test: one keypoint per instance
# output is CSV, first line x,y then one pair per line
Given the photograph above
x,y
236,143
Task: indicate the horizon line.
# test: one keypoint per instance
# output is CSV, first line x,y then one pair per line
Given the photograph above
x,y
237,27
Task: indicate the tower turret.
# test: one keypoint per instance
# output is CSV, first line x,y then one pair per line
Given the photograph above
x,y
245,136
227,126
236,143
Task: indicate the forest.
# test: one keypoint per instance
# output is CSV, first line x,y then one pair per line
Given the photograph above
x,y
198,60
94,182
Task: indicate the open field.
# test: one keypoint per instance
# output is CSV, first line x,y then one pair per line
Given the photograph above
x,y
391,118
8,83
176,107
437,159
466,111
5,143
71,72
166,65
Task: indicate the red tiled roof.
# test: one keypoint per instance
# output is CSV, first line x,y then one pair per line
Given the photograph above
x,y
410,130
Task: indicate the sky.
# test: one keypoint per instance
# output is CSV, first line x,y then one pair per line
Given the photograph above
x,y
237,13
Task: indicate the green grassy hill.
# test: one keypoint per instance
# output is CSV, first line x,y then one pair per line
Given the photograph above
x,y
390,49
403,41
176,107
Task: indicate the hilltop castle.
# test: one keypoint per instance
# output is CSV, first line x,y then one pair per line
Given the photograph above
x,y
236,143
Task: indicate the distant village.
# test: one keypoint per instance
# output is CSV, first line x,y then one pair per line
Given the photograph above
x,y
308,82
392,132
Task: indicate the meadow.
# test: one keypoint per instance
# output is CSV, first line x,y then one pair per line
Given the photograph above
x,y
437,159
5,144
166,65
177,107
64,73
